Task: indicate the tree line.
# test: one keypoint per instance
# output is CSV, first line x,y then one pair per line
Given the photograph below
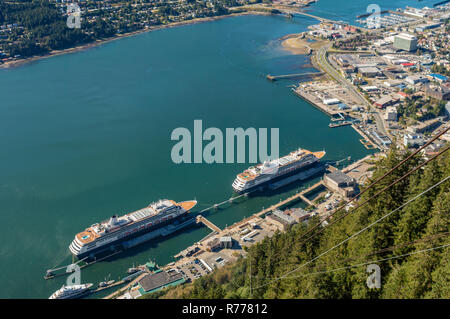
x,y
417,275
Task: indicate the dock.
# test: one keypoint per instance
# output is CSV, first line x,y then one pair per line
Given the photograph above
x,y
344,123
207,223
292,76
123,289
300,195
118,283
366,141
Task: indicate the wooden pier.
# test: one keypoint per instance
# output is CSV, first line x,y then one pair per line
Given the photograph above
x,y
300,195
207,223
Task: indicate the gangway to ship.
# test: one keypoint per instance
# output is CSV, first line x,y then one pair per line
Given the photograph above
x,y
216,206
50,272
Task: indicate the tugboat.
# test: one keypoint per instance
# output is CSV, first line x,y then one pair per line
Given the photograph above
x,y
132,270
106,283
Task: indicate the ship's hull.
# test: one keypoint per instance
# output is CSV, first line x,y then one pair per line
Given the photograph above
x,y
163,229
74,295
266,184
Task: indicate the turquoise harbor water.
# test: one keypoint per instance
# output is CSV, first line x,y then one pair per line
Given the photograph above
x,y
87,135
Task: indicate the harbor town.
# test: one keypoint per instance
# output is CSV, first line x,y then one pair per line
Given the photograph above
x,y
389,83
386,78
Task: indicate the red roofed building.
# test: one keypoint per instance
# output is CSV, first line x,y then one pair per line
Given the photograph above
x,y
408,64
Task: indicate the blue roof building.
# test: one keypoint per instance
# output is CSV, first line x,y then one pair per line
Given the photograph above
x,y
438,77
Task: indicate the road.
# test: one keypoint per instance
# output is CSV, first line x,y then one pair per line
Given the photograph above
x,y
322,61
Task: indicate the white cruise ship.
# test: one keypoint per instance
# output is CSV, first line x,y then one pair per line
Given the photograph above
x,y
70,292
257,176
158,219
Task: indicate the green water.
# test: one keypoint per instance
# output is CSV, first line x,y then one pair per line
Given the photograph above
x,y
87,135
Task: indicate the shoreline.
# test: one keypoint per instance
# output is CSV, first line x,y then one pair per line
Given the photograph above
x,y
98,42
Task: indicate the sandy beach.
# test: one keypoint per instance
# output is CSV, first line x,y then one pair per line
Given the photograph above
x,y
295,44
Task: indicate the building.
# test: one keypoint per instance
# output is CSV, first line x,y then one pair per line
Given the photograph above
x,y
369,88
437,77
413,140
214,244
159,280
331,101
341,183
406,42
380,138
391,114
385,101
282,220
426,126
414,79
226,242
369,72
429,26
437,92
299,214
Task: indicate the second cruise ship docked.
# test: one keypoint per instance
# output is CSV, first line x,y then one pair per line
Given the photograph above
x,y
158,219
295,162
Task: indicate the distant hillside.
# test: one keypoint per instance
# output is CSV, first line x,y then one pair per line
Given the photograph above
x,y
423,223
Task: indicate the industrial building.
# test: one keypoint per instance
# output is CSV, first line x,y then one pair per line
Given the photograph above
x,y
226,242
341,183
414,79
385,101
369,72
280,219
299,214
159,280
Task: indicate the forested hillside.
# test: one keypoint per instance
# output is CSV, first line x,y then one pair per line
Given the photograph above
x,y
36,27
423,224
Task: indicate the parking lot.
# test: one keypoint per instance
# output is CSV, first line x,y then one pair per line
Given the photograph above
x,y
193,269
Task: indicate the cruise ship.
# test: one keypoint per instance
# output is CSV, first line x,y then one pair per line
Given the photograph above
x,y
70,292
256,177
119,233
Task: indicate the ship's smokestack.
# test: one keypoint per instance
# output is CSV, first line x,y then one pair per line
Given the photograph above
x,y
113,220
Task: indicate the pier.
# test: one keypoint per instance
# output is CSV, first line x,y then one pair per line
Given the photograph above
x,y
365,15
300,195
292,76
123,289
344,123
207,223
